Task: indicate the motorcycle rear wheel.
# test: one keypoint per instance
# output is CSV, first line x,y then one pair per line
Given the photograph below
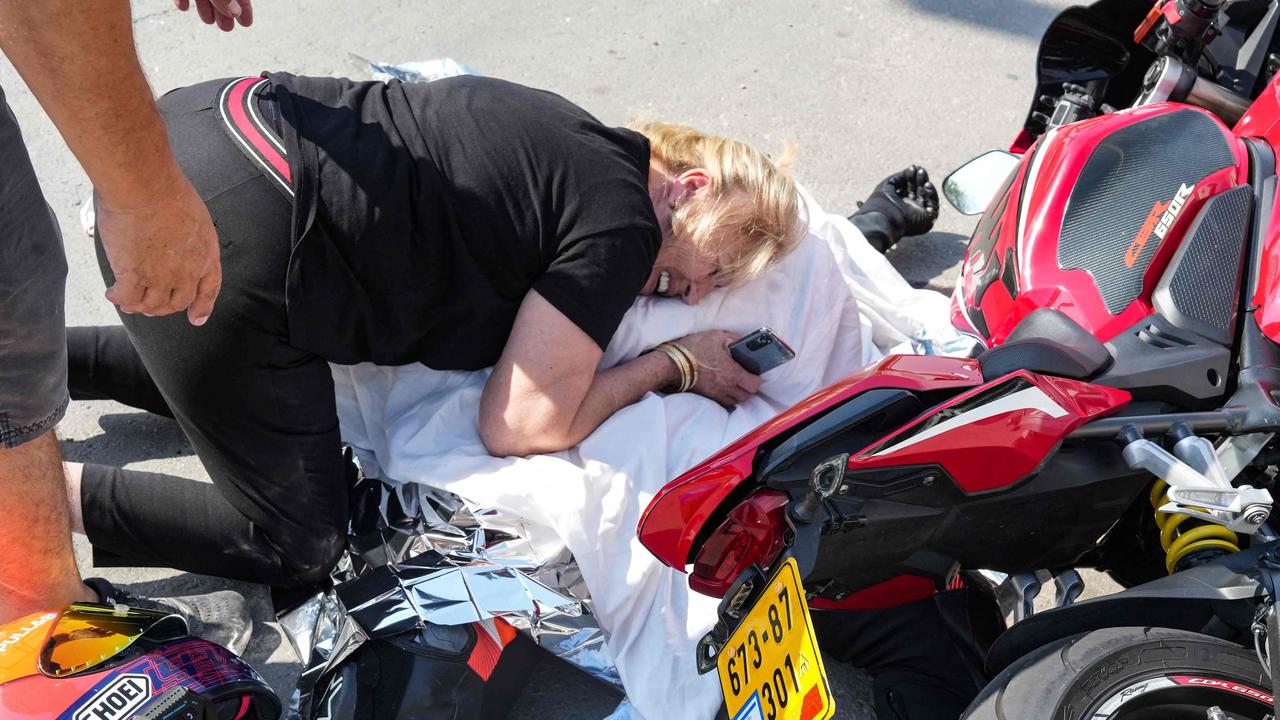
x,y
1129,674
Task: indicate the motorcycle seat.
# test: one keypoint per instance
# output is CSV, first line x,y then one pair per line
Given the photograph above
x,y
1048,342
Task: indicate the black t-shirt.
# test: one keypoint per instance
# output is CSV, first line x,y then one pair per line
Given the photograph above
x,y
426,212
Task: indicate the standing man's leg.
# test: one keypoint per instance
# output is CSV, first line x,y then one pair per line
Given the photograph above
x,y
167,248
37,565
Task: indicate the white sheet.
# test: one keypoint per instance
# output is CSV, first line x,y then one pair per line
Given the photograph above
x,y
835,300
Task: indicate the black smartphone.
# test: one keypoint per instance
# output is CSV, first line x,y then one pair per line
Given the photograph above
x,y
761,351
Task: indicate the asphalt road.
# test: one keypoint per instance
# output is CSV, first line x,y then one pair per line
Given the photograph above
x,y
865,87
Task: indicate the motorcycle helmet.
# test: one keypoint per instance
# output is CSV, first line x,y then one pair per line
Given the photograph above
x,y
104,662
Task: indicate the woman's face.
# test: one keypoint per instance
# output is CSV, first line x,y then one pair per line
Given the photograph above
x,y
683,269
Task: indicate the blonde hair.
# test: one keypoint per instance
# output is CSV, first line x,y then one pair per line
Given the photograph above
x,y
752,199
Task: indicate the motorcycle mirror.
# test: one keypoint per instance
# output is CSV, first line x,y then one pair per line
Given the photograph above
x,y
972,186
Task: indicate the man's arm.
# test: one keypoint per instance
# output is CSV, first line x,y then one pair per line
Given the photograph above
x,y
79,60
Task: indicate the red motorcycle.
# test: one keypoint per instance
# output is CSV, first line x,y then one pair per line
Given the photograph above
x,y
1122,415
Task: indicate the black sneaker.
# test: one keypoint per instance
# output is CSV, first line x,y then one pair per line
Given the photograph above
x,y
220,617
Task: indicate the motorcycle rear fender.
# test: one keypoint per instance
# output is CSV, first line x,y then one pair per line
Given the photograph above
x,y
676,516
983,440
1185,601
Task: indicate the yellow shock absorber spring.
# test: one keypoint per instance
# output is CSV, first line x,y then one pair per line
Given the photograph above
x,y
1179,542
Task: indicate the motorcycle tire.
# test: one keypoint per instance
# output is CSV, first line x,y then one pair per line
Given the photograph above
x,y
1128,673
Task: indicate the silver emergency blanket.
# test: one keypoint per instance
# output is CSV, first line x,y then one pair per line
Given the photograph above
x,y
417,71
437,562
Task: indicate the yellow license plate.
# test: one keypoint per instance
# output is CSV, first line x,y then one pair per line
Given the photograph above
x,y
771,668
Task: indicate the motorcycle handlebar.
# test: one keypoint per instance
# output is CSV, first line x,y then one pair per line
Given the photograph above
x,y
1218,100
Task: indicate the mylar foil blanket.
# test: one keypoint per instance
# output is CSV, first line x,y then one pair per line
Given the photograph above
x,y
436,561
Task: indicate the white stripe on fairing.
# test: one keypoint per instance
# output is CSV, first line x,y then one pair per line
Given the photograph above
x,y
1029,185
1033,398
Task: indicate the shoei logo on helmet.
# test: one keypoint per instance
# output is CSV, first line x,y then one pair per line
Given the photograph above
x,y
118,700
16,636
1159,220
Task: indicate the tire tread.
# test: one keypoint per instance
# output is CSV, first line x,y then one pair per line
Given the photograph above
x,y
1045,678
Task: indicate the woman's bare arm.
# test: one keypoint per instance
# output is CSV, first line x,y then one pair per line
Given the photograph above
x,y
544,394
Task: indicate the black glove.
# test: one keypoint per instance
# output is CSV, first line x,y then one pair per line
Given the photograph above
x,y
904,204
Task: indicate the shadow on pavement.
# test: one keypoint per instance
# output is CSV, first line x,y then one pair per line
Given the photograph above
x,y
925,261
127,438
1024,18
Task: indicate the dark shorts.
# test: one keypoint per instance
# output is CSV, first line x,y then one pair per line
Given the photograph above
x,y
33,278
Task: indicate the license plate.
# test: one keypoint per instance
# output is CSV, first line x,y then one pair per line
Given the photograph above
x,y
771,668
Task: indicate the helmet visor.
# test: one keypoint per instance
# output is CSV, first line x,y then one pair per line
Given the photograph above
x,y
86,635
20,643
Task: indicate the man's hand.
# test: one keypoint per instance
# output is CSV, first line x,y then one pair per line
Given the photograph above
x,y
164,255
223,13
156,231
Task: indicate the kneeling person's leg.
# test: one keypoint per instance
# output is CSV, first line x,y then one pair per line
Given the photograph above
x,y
260,413
262,418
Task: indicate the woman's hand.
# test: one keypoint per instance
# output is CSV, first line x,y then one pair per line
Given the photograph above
x,y
720,377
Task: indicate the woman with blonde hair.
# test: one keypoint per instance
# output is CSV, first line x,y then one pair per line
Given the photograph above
x,y
463,224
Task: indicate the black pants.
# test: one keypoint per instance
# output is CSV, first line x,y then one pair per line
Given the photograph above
x,y
925,658
259,412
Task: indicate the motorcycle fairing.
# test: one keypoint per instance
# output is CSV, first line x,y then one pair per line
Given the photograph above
x,y
993,462
916,504
1262,121
992,437
682,509
1142,175
1088,44
1108,197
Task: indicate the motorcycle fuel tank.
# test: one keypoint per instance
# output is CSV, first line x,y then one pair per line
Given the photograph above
x,y
1090,218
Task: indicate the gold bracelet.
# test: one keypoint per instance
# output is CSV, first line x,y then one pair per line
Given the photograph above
x,y
676,359
693,364
686,368
680,357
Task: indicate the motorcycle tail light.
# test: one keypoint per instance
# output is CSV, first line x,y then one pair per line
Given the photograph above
x,y
754,533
